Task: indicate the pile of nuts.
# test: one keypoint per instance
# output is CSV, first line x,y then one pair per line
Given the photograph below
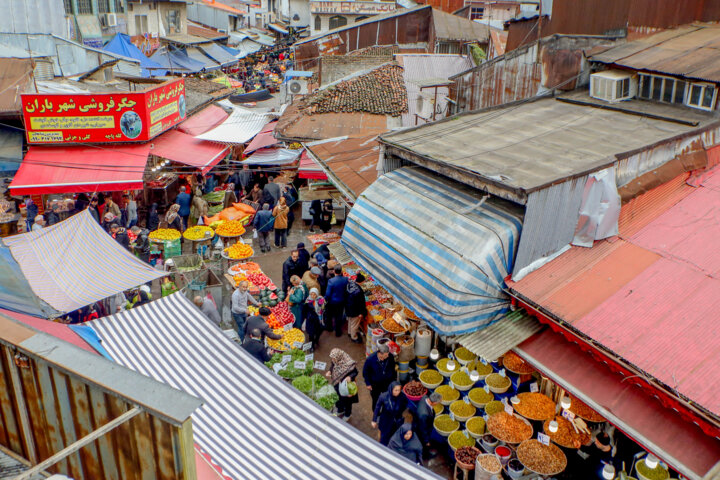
x,y
542,459
509,428
535,406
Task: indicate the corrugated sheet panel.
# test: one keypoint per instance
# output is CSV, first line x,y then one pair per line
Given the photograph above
x,y
15,79
245,418
452,27
436,246
551,216
131,69
240,127
340,252
495,340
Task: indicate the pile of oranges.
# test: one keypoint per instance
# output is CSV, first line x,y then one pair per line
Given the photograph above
x,y
230,228
239,251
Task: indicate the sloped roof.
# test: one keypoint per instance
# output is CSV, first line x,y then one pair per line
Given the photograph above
x,y
380,91
204,32
15,79
454,28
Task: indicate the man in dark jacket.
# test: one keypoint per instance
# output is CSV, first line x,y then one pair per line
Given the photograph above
x,y
379,372
355,307
304,257
255,347
291,267
142,243
120,235
259,322
424,417
263,223
336,295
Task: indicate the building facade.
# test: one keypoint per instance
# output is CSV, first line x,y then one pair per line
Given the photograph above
x,y
329,14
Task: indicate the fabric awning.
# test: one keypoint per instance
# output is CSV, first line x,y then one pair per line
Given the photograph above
x,y
263,139
218,54
75,263
309,168
206,119
679,443
46,170
493,341
240,127
176,60
15,292
199,56
436,246
252,423
188,150
272,156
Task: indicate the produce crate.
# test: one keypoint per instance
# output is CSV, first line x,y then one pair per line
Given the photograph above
x,y
187,263
172,248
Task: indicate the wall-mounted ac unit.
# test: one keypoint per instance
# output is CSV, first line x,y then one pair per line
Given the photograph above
x,y
297,87
110,19
613,85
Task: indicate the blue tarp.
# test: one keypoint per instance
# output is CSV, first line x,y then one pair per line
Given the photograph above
x,y
296,74
11,142
87,333
16,294
177,60
121,45
230,50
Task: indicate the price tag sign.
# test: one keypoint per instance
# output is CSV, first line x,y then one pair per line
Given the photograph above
x,y
287,327
451,356
277,367
466,434
508,409
452,416
487,389
309,358
300,365
286,358
320,365
486,417
307,346
297,344
568,415
465,369
544,439
534,387
466,400
484,362
502,373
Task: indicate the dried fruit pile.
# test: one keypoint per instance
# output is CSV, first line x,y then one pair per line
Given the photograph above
x,y
239,251
657,473
467,455
515,364
164,234
494,407
461,379
583,411
509,428
431,377
230,228
490,463
535,406
566,436
460,439
391,326
476,425
442,365
542,459
496,380
415,389
481,368
463,353
449,394
479,395
443,423
461,409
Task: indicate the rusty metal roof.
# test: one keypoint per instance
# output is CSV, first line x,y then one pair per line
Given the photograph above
x,y
15,79
649,295
454,28
350,162
299,126
691,51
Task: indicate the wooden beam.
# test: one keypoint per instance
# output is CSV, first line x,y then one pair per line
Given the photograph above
x,y
22,408
74,447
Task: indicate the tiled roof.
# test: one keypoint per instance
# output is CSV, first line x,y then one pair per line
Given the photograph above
x,y
381,91
376,51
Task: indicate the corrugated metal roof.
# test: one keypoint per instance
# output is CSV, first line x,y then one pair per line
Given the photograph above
x,y
15,79
240,127
691,51
351,163
651,296
295,124
505,334
418,68
529,146
454,28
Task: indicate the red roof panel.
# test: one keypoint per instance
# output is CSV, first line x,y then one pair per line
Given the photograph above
x,y
203,121
57,330
263,139
182,148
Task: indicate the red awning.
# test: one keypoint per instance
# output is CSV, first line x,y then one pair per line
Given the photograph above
x,y
263,139
186,149
206,119
309,169
681,444
46,170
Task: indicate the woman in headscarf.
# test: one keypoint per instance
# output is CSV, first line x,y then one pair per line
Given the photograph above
x,y
312,312
296,298
172,217
407,444
342,368
153,220
388,415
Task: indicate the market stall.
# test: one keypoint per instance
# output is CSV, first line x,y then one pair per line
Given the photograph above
x,y
245,403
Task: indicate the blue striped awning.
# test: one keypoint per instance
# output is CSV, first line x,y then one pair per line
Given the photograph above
x,y
252,423
75,263
436,247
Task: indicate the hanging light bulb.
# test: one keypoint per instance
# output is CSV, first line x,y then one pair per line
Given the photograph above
x,y
608,472
553,426
651,461
474,376
565,403
434,355
515,400
451,365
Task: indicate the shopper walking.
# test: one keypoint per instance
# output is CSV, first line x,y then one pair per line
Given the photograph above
x,y
388,413
141,248
131,209
153,218
184,199
310,278
291,266
313,310
406,443
343,369
280,212
172,217
336,296
240,299
315,212
355,307
296,298
379,372
424,417
263,223
326,214
304,257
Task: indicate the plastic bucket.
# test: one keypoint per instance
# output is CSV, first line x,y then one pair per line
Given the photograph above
x,y
403,375
503,454
488,442
515,469
423,341
422,360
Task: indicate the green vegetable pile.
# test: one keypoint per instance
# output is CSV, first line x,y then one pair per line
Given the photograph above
x,y
214,197
309,385
290,372
326,397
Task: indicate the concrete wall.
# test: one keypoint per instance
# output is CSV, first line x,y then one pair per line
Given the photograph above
x,y
325,20
156,17
301,8
335,67
33,16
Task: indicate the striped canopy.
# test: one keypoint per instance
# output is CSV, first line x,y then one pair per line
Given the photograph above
x,y
436,246
253,424
75,263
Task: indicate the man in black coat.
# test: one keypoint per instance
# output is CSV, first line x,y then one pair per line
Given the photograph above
x,y
379,372
291,267
260,323
355,307
120,235
255,347
424,417
303,259
142,243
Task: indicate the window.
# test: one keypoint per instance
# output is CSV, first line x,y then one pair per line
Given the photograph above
x,y
84,7
141,24
103,6
661,89
361,17
477,12
68,7
701,95
119,7
318,22
173,21
337,21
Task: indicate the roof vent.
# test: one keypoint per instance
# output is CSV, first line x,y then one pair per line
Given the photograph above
x,y
613,85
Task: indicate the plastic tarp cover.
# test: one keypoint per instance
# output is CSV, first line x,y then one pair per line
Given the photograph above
x,y
240,127
273,156
11,142
440,247
121,45
218,54
600,209
16,294
177,60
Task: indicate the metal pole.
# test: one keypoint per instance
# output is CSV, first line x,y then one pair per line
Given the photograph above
x,y
74,447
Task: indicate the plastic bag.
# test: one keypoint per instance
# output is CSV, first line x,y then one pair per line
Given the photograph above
x,y
333,220
347,388
255,234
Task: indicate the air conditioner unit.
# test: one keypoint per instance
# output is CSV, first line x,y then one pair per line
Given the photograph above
x,y
297,87
613,85
110,20
425,106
